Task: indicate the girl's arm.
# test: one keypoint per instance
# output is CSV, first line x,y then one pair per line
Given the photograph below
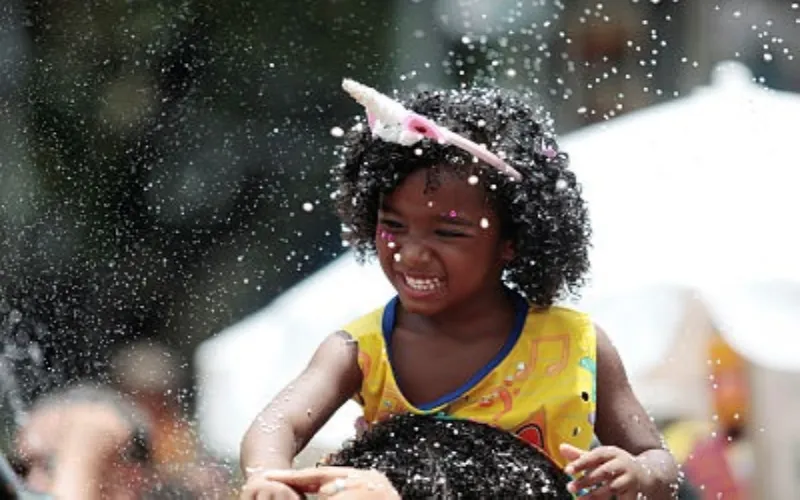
x,y
287,423
624,423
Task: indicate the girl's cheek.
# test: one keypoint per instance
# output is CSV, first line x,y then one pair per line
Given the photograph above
x,y
388,238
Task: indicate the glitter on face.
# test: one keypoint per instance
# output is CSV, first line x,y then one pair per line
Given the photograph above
x,y
472,180
386,236
484,222
452,213
397,257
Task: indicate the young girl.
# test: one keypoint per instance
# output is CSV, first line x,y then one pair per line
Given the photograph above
x,y
479,225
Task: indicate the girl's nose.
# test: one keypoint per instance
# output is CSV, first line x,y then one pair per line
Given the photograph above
x,y
414,253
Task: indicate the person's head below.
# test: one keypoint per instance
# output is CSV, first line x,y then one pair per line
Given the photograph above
x,y
449,231
77,422
431,457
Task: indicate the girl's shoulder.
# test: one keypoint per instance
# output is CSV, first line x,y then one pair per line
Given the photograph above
x,y
563,324
367,329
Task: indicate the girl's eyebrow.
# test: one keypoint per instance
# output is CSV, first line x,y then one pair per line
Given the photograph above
x,y
451,218
455,220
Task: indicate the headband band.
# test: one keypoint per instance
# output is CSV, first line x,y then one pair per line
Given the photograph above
x,y
392,122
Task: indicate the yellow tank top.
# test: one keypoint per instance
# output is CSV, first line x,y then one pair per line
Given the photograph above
x,y
540,386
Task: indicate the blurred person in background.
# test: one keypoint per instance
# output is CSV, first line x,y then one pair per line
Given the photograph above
x,y
152,376
717,456
149,374
86,443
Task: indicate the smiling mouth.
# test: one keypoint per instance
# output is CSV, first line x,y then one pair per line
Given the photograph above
x,y
423,284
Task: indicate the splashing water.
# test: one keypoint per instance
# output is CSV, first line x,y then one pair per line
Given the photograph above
x,y
10,393
20,355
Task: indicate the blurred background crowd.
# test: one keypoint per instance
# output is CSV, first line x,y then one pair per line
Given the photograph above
x,y
164,176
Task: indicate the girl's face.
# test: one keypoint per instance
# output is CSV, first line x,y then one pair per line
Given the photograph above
x,y
440,248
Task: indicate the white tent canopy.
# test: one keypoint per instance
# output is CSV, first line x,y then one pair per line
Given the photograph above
x,y
701,194
692,205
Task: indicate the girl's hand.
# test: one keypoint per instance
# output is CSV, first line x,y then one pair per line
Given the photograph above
x,y
604,473
259,487
338,483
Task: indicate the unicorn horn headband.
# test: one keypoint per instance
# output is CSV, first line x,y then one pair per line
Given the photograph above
x,y
392,122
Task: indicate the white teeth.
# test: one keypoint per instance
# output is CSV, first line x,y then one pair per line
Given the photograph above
x,y
427,284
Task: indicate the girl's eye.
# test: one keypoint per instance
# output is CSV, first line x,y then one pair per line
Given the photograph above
x,y
450,234
390,224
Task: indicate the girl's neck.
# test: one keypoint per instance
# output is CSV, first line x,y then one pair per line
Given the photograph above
x,y
493,310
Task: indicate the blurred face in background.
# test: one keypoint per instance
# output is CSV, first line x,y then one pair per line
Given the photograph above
x,y
51,432
35,448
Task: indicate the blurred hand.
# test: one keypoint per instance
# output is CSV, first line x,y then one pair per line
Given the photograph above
x,y
338,483
259,487
603,473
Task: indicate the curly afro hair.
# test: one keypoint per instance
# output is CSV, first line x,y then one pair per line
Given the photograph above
x,y
428,457
543,215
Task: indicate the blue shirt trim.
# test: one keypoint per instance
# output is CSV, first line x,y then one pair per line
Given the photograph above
x,y
521,313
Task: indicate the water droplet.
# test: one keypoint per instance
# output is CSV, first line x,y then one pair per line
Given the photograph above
x,y
337,132
737,14
484,222
397,257
767,57
308,206
472,180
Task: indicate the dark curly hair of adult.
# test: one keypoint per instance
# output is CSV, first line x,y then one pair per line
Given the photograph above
x,y
543,214
425,456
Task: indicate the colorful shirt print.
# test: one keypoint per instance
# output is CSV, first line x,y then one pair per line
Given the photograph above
x,y
541,386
